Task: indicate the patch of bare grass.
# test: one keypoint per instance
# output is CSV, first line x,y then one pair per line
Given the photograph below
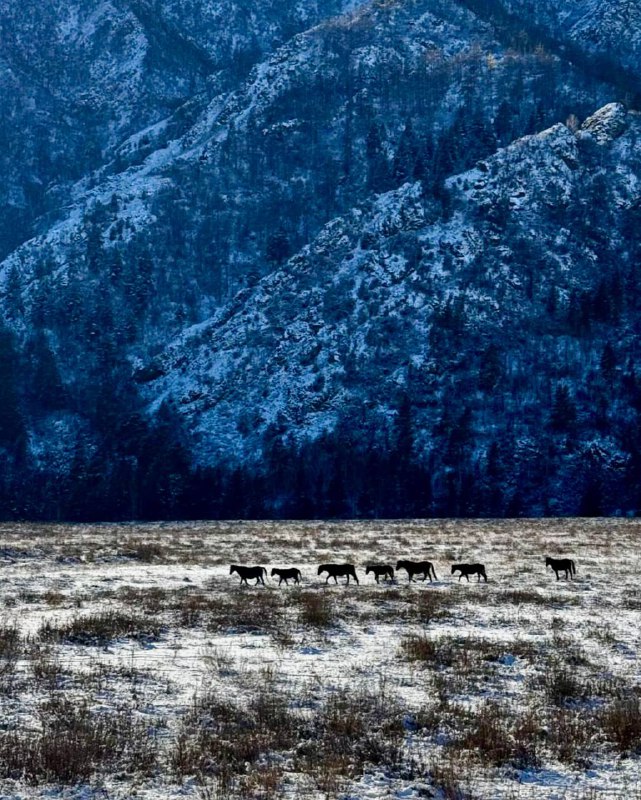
x,y
145,551
498,737
11,646
73,743
246,612
621,724
233,744
315,609
101,628
572,732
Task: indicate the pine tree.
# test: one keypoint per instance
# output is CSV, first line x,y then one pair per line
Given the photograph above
x,y
378,173
563,415
406,156
11,422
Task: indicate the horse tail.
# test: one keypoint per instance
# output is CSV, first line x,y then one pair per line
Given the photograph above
x,y
433,572
300,576
573,566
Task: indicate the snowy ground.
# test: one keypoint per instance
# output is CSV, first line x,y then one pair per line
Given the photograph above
x,y
133,665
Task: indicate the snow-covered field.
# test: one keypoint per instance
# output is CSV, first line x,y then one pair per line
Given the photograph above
x,y
133,665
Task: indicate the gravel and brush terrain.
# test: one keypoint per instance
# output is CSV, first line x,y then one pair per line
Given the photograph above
x,y
133,665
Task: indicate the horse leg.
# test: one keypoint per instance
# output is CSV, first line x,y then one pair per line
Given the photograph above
x,y
467,577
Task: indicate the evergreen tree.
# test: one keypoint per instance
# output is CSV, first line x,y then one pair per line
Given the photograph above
x,y
378,173
406,156
12,429
563,415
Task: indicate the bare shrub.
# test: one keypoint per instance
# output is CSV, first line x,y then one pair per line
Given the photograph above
x,y
570,735
499,737
147,552
621,724
561,685
10,645
451,775
46,667
419,647
565,684
315,609
54,599
10,651
430,606
265,782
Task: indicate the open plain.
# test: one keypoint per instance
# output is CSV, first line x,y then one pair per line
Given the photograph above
x,y
133,665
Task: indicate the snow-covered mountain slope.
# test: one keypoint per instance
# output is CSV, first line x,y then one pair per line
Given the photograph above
x,y
362,314
264,226
314,130
609,33
105,82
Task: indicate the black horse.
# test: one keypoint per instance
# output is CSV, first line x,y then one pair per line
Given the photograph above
x,y
469,569
286,574
248,572
566,565
338,570
380,570
417,568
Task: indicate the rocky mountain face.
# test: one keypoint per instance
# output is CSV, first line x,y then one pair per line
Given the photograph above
x,y
326,259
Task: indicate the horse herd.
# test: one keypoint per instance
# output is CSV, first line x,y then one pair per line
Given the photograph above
x,y
385,571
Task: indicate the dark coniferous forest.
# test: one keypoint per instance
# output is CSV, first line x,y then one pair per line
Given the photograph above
x,y
335,258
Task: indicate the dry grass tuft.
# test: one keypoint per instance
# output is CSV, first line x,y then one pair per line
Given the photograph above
x,y
315,609
621,724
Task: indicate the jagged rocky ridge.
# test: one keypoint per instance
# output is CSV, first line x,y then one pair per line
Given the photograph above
x,y
362,277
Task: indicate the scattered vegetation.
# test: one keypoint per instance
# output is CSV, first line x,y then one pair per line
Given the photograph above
x,y
101,628
73,742
469,683
315,609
